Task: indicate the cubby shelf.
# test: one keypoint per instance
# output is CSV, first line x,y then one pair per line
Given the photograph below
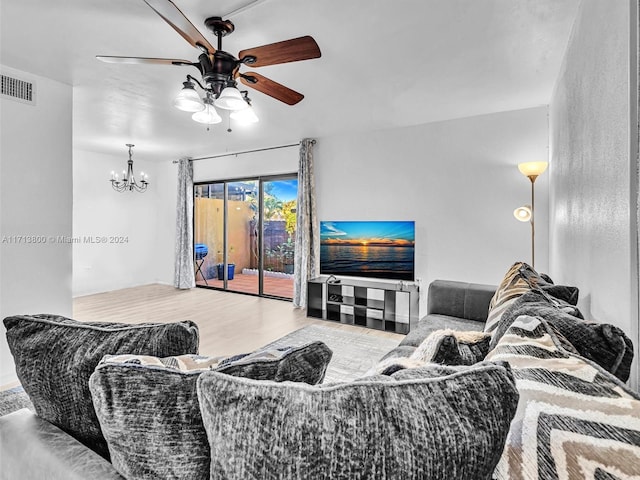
x,y
390,306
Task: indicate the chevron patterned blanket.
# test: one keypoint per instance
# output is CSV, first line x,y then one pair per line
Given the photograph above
x,y
574,419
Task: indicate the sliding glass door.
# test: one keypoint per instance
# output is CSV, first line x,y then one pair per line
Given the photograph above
x,y
244,233
278,233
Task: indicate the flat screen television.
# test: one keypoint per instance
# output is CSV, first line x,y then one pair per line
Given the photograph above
x,y
368,249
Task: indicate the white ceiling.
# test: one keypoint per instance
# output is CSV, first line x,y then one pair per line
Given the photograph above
x,y
384,64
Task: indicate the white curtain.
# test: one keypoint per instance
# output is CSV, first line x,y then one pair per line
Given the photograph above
x,y
184,276
307,254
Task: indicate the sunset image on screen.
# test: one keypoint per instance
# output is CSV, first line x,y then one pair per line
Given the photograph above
x,y
368,249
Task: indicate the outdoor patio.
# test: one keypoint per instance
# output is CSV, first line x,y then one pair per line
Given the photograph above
x,y
273,286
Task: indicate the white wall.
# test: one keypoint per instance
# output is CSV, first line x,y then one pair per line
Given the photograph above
x,y
116,232
591,172
35,201
458,180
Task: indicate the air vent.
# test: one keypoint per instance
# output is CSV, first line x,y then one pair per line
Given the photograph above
x,y
19,90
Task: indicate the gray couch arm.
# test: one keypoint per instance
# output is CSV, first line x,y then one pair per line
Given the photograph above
x,y
32,448
469,301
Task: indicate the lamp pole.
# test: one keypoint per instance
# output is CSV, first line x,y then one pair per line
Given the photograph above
x,y
532,170
533,226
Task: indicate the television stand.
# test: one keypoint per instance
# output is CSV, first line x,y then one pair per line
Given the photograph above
x,y
391,306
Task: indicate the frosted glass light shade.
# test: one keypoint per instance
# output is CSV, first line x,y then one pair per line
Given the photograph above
x,y
246,116
188,100
208,116
529,169
523,213
230,99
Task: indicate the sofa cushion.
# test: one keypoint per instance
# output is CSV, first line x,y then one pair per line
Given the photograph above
x,y
33,449
425,327
574,419
434,322
55,356
469,301
604,344
149,411
450,426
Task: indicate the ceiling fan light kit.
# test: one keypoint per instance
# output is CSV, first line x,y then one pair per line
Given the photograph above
x,y
220,70
209,115
246,116
230,99
188,100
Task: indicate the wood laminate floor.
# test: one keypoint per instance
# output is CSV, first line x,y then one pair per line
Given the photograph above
x,y
229,323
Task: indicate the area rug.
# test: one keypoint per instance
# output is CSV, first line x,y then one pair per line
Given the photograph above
x,y
353,353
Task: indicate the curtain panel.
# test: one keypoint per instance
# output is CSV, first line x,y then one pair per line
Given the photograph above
x,y
184,276
307,250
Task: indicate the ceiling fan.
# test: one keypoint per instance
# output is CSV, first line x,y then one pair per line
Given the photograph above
x,y
219,69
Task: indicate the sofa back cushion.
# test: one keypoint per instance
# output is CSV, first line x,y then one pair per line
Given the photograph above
x,y
424,426
574,419
55,356
149,411
460,299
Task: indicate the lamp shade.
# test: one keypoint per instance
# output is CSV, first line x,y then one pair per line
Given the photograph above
x,y
532,169
207,116
230,99
188,99
523,213
246,116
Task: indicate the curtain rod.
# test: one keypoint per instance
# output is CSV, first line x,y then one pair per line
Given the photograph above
x,y
246,151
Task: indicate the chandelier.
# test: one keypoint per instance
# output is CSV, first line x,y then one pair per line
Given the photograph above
x,y
128,181
228,98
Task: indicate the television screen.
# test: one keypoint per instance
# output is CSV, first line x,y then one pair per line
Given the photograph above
x,y
368,249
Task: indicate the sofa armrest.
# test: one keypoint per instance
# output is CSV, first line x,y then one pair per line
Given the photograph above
x,y
460,299
32,448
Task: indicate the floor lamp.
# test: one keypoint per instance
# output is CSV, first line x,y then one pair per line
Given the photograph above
x,y
531,170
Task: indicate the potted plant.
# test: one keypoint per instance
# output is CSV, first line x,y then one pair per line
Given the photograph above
x,y
230,266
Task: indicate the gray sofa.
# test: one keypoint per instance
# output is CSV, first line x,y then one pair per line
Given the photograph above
x,y
31,448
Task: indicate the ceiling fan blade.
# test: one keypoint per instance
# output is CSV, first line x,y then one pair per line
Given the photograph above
x,y
296,49
271,88
156,61
181,24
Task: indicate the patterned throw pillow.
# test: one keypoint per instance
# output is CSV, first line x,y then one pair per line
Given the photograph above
x,y
449,426
574,419
453,347
55,356
149,411
445,347
520,279
604,344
